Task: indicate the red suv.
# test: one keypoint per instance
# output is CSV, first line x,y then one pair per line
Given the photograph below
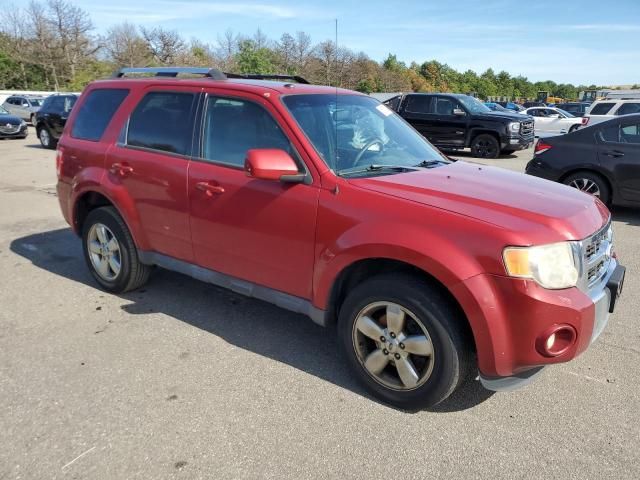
x,y
327,203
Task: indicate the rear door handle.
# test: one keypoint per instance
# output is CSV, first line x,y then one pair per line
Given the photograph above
x,y
121,169
209,189
614,153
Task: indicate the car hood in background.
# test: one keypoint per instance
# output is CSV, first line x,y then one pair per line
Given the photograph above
x,y
509,200
13,120
508,116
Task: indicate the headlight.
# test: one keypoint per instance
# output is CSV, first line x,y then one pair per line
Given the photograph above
x,y
514,126
552,266
23,123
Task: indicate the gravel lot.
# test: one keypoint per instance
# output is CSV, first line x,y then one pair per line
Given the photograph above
x,y
185,380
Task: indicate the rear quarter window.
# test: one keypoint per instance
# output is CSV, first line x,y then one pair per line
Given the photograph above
x,y
628,108
601,108
96,112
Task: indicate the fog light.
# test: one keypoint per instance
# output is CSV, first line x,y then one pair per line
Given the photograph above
x,y
556,340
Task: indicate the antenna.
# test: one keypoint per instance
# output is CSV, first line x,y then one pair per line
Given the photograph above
x,y
335,69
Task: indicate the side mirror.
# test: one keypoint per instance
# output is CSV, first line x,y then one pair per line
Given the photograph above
x,y
25,104
458,112
272,164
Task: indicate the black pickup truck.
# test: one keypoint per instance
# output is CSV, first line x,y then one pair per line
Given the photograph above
x,y
454,121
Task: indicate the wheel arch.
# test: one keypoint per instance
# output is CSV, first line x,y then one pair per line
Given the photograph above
x,y
591,171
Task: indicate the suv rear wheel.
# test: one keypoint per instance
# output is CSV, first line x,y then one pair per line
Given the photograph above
x,y
590,183
404,341
485,146
46,140
110,252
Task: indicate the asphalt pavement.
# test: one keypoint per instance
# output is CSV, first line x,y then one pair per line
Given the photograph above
x,y
185,380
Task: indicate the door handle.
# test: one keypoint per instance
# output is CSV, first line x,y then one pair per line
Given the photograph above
x,y
121,169
209,189
614,153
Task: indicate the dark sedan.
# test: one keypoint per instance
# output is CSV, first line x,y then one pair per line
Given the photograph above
x,y
603,160
12,126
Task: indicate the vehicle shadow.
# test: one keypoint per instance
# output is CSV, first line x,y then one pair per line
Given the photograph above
x,y
246,323
627,215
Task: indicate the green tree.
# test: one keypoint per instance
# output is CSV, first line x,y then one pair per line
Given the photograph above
x,y
253,59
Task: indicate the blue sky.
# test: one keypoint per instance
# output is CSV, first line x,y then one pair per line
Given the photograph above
x,y
578,41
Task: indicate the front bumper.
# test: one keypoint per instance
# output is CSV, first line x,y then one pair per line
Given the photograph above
x,y
519,142
509,316
20,132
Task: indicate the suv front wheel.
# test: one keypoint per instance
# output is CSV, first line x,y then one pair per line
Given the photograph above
x,y
404,340
485,146
46,140
110,252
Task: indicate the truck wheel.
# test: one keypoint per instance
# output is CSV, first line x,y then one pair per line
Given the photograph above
x,y
485,146
404,341
110,252
590,183
46,140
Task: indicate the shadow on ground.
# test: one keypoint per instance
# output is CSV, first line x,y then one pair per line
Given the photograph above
x,y
246,323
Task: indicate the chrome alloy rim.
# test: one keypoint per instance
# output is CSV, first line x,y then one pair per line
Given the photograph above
x,y
104,252
44,137
393,346
586,185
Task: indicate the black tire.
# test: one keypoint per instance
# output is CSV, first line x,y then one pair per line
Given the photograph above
x,y
588,182
47,141
133,274
453,357
485,146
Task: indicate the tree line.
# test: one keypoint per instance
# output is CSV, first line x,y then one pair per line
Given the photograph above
x,y
53,45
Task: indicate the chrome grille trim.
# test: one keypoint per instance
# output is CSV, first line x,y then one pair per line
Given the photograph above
x,y
595,257
526,128
11,129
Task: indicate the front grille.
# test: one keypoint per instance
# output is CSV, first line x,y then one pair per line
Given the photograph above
x,y
597,254
9,129
526,128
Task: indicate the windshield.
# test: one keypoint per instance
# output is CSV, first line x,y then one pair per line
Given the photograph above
x,y
36,102
350,132
473,104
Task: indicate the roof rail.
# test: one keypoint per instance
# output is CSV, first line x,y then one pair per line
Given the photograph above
x,y
267,76
213,73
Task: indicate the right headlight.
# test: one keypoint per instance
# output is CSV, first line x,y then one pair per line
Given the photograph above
x,y
514,127
553,266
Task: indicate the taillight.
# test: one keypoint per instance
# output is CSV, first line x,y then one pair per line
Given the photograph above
x,y
541,147
59,160
585,120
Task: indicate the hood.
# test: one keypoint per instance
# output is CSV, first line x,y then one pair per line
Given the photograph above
x,y
517,202
7,118
505,116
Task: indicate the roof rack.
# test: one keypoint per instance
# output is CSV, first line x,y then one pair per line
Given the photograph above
x,y
267,76
213,73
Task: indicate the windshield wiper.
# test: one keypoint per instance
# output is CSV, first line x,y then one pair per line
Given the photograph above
x,y
375,167
430,163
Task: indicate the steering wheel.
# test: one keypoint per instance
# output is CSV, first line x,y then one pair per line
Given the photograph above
x,y
364,149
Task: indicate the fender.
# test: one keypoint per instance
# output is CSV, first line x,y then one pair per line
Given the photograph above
x,y
95,180
380,240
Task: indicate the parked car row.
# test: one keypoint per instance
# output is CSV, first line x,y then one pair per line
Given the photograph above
x,y
24,106
12,126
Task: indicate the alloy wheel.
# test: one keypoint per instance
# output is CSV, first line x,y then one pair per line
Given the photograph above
x,y
586,185
393,346
45,139
104,252
484,149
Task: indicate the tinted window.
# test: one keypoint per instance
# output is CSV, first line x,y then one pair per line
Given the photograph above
x,y
445,106
601,109
628,108
11,101
419,104
630,133
393,103
610,134
163,121
231,127
96,112
69,102
56,104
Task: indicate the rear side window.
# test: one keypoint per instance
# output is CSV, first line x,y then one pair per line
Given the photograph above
x,y
419,104
56,104
628,109
163,121
601,109
96,112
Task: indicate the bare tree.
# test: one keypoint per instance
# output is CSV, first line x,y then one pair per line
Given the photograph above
x,y
166,46
227,49
126,47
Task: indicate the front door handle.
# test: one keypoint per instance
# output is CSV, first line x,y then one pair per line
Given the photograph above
x,y
122,169
209,189
614,153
